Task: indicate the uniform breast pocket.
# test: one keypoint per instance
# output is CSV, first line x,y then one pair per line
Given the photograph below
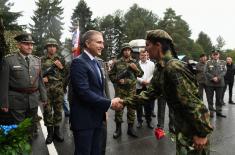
x,y
18,72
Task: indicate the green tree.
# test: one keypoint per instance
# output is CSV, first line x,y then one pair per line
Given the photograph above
x,y
9,18
47,22
82,15
112,26
220,43
177,28
205,42
196,51
137,21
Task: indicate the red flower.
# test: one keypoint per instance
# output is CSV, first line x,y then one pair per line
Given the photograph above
x,y
159,133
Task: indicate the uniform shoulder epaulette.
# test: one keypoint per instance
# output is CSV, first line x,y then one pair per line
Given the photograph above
x,y
9,55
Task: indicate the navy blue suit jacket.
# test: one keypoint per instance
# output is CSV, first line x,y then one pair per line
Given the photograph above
x,y
89,103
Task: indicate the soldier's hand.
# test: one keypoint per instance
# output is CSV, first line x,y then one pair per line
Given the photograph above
x,y
145,82
133,66
45,79
121,81
116,104
199,142
58,64
215,79
4,109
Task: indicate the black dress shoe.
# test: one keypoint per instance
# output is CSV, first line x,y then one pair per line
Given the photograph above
x,y
150,125
223,103
220,115
231,102
139,125
153,114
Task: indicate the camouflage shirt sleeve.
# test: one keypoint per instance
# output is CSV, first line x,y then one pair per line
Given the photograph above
x,y
190,106
153,91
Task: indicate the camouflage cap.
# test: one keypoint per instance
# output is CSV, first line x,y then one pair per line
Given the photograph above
x,y
125,45
24,37
158,33
51,41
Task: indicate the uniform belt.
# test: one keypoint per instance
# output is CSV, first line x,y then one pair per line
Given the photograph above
x,y
24,90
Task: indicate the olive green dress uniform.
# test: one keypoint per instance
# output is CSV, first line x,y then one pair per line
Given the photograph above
x,y
215,68
191,116
53,110
25,89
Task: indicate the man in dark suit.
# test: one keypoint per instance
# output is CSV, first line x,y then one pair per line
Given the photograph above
x,y
89,103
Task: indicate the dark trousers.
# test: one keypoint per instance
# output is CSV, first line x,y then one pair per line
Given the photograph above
x,y
218,95
88,141
201,87
148,108
104,138
161,114
20,115
230,88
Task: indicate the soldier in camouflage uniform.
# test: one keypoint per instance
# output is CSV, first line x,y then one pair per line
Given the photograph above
x,y
175,82
54,84
215,71
124,76
21,80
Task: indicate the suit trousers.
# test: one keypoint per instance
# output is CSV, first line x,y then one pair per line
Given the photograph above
x,y
230,88
88,141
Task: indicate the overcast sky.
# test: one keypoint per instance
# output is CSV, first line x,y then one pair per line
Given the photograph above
x,y
214,17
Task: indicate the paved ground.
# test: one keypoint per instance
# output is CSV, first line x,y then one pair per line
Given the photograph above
x,y
222,139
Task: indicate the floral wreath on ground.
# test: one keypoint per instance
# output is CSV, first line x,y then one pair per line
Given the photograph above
x,y
14,139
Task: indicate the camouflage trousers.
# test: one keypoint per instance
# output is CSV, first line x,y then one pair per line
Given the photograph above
x,y
53,109
122,93
184,147
130,115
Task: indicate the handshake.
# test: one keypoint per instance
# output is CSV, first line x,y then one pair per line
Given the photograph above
x,y
116,104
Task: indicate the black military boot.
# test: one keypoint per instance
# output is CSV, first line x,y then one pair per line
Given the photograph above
x,y
49,138
57,136
118,131
131,131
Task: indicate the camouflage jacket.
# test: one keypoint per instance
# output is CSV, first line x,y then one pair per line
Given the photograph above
x,y
130,78
172,79
215,69
200,75
58,75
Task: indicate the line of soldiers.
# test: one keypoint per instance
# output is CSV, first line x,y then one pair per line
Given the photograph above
x,y
27,83
213,76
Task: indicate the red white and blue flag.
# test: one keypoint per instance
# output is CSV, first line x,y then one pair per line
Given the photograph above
x,y
76,43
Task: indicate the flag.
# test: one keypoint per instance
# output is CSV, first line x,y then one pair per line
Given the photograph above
x,y
76,43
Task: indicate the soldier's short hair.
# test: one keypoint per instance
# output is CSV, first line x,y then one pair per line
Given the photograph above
x,y
202,55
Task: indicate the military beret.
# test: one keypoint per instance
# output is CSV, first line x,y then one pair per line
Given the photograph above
x,y
125,45
158,33
25,37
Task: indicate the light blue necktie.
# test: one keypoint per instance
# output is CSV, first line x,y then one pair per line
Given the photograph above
x,y
95,64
